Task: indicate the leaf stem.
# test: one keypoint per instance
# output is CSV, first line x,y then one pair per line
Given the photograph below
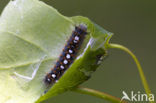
x,y
98,94
142,76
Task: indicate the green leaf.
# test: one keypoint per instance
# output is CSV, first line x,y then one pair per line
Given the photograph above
x,y
32,36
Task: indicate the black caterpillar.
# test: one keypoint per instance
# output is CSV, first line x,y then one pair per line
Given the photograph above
x,y
68,54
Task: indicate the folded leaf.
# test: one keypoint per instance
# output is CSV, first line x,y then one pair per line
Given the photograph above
x,y
32,36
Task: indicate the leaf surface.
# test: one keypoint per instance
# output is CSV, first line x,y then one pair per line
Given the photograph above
x,y
32,36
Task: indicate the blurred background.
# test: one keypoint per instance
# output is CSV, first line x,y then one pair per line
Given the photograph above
x,y
133,23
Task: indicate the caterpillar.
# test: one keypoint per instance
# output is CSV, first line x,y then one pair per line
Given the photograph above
x,y
68,54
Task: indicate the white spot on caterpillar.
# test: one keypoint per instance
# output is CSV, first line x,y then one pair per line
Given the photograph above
x,y
48,80
62,67
65,61
75,41
76,38
53,75
70,51
68,56
56,81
